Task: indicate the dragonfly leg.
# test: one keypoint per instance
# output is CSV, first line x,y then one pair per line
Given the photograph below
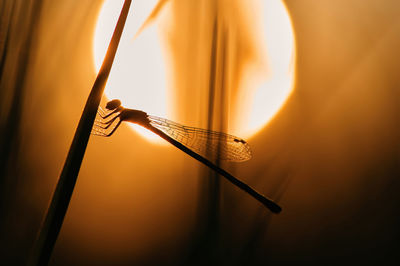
x,y
105,123
105,130
101,112
98,132
115,128
105,114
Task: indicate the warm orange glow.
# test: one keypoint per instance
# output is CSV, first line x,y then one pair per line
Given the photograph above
x,y
138,73
274,89
139,77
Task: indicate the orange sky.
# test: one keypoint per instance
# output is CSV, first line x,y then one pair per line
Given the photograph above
x,y
330,156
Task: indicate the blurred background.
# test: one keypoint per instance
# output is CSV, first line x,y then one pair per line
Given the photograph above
x,y
327,150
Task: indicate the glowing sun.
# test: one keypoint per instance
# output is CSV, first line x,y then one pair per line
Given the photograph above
x,y
139,76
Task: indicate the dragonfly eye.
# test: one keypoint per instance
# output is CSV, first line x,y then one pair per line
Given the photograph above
x,y
111,105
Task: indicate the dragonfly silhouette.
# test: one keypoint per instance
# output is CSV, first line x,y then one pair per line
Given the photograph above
x,y
196,142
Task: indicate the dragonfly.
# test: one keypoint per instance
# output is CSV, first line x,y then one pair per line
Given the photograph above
x,y
196,142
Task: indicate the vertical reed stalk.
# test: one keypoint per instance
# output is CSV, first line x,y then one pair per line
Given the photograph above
x,y
66,183
213,184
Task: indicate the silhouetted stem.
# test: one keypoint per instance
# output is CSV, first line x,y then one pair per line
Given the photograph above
x,y
65,186
272,206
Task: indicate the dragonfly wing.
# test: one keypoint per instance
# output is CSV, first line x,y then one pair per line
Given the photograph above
x,y
205,142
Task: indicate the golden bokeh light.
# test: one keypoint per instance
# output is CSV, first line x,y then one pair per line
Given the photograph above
x,y
140,75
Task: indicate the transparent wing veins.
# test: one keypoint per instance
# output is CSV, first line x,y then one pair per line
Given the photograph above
x,y
205,142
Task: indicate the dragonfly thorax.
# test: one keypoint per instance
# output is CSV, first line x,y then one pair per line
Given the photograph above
x,y
134,116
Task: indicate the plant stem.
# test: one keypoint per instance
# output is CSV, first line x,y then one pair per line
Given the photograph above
x,y
59,204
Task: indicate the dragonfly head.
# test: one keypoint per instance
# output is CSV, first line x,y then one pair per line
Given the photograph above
x,y
111,105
